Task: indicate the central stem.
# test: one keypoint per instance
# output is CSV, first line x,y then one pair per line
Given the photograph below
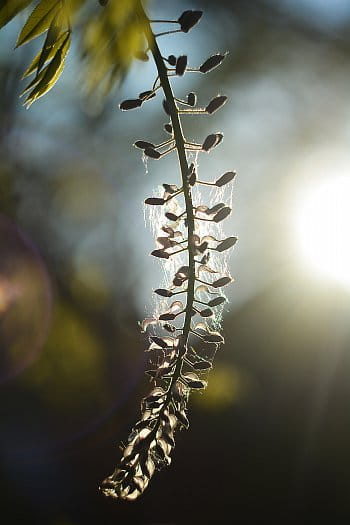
x,y
181,152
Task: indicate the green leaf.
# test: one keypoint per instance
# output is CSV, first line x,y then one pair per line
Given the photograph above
x,y
10,8
48,77
50,40
34,64
39,21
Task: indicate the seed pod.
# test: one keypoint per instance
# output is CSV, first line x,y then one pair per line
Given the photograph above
x,y
202,365
214,209
170,188
211,63
166,107
192,179
215,104
167,317
168,128
211,141
217,301
159,341
188,19
172,60
226,244
196,384
163,292
206,312
191,99
161,254
154,201
225,178
222,214
169,327
147,95
213,337
143,144
131,103
181,65
152,153
221,282
171,216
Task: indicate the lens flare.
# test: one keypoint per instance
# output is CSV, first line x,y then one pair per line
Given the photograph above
x,y
25,301
323,229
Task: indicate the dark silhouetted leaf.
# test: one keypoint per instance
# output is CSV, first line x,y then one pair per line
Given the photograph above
x,y
152,153
196,384
221,282
225,178
160,253
155,201
215,104
188,19
217,301
131,103
226,244
143,144
191,99
211,63
222,214
163,292
181,65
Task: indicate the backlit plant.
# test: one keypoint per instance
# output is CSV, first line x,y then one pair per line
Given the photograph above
x,y
183,336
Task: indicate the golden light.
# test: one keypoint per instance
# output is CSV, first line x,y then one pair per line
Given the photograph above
x,y
323,229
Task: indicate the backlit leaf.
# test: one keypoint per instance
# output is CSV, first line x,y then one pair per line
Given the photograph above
x,y
39,20
10,8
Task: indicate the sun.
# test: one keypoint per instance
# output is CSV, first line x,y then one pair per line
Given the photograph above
x,y
323,228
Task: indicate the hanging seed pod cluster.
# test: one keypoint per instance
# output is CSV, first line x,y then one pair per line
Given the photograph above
x,y
183,337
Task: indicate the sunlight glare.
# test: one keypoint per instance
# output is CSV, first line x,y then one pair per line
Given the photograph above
x,y
323,229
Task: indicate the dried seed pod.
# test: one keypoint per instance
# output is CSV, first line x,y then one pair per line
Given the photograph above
x,y
168,128
196,384
191,99
226,244
188,19
166,107
211,63
131,103
171,216
211,141
202,365
215,104
161,254
181,64
169,327
162,342
206,312
152,153
222,214
214,209
192,179
217,301
172,60
155,201
221,282
143,144
147,95
163,292
225,178
167,316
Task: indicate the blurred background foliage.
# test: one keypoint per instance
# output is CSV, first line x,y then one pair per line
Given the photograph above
x,y
269,438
